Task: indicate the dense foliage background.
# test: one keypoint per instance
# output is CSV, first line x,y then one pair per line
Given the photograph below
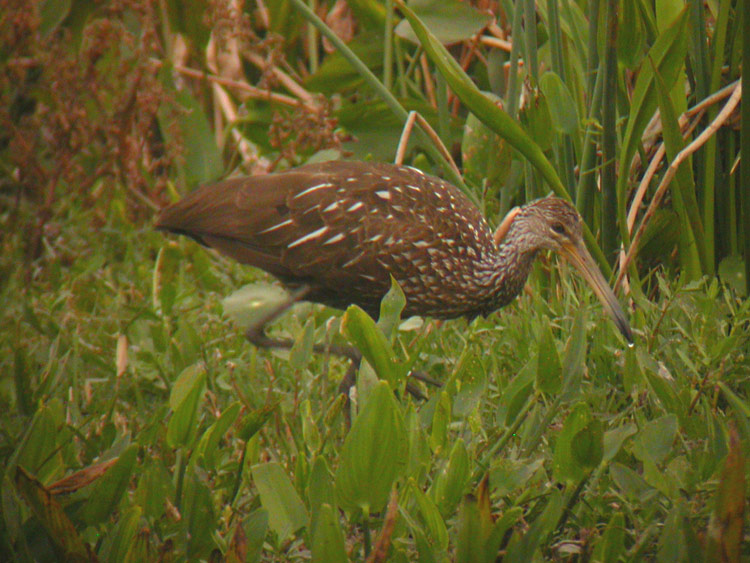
x,y
138,424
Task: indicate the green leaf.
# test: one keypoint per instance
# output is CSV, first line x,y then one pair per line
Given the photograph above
x,y
361,330
588,445
508,475
630,483
468,384
198,513
374,454
301,352
614,439
110,487
470,540
575,357
441,418
523,549
320,489
154,487
207,448
121,544
630,35
655,440
562,108
256,527
537,120
286,511
549,370
183,400
201,156
451,480
328,540
390,309
433,521
612,542
566,462
253,301
450,21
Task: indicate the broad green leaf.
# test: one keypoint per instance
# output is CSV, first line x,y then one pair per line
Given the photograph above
x,y
361,330
433,521
630,35
310,432
654,441
451,480
562,108
320,489
440,421
450,21
209,442
110,487
508,475
516,394
611,545
183,400
568,466
470,541
536,118
251,302
498,532
201,156
468,385
121,545
198,514
154,488
674,543
374,454
390,309
328,540
614,439
256,527
301,352
37,453
336,75
630,483
164,289
575,357
523,549
549,370
588,446
286,511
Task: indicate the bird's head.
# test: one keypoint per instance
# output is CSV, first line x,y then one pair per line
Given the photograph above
x,y
552,223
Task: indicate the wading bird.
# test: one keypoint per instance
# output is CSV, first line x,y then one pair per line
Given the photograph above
x,y
336,232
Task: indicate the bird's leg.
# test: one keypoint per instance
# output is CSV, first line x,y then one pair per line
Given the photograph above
x,y
257,336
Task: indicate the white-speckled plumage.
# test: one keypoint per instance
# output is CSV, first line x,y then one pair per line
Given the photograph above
x,y
344,228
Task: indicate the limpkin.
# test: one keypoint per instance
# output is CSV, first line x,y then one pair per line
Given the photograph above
x,y
337,231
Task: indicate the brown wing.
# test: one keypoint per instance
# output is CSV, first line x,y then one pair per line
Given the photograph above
x,y
341,227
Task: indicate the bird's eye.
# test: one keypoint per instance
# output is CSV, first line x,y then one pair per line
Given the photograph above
x,y
559,228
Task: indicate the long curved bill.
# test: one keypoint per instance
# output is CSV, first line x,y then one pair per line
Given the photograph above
x,y
579,256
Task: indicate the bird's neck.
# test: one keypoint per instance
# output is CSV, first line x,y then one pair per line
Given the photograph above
x,y
508,270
